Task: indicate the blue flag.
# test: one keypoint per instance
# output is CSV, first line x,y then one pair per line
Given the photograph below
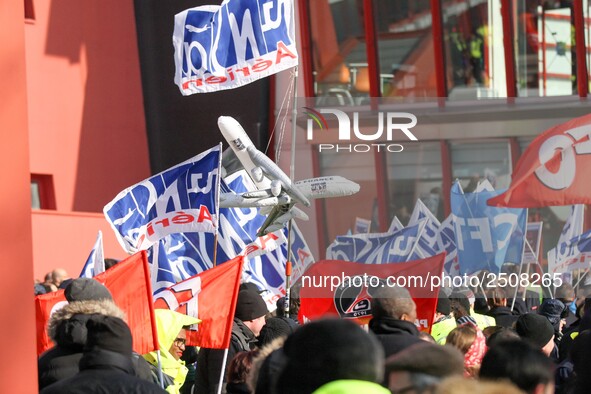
x,y
238,42
486,237
180,256
95,263
571,255
182,199
378,248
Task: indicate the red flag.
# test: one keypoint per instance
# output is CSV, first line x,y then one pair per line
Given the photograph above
x,y
342,288
129,284
45,305
552,170
209,296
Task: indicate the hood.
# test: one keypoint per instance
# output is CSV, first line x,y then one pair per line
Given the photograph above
x,y
389,325
68,324
168,325
351,387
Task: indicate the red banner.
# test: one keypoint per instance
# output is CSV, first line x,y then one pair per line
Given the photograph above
x,y
129,284
341,288
553,170
209,296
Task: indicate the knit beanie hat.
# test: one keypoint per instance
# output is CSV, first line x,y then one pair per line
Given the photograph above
x,y
326,350
86,289
250,305
443,305
274,328
108,333
534,328
552,309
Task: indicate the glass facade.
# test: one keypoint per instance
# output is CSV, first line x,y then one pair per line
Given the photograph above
x,y
477,59
412,174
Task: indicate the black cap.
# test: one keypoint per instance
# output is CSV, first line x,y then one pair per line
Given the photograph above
x,y
534,328
443,305
86,289
250,305
109,333
250,286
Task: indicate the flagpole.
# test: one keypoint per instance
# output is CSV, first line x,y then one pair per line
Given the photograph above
x,y
217,209
420,233
525,242
221,381
294,114
160,375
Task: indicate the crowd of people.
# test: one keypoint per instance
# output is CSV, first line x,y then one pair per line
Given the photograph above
x,y
483,342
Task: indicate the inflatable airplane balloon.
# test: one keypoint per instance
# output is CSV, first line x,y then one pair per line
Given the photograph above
x,y
276,194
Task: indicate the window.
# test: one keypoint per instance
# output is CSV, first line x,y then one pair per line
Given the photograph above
x,y
472,162
29,11
42,192
415,173
340,213
405,48
338,52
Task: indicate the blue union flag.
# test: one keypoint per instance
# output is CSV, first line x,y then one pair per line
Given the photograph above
x,y
181,199
238,42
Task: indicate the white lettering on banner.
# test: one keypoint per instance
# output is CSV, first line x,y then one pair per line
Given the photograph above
x,y
400,249
482,232
505,218
192,304
564,176
268,22
242,39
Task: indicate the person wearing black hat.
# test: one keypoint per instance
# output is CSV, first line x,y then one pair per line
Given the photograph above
x,y
520,363
537,330
331,356
67,328
444,321
249,319
106,365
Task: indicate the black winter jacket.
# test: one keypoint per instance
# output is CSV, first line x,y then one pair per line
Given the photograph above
x,y
103,371
394,335
209,361
67,328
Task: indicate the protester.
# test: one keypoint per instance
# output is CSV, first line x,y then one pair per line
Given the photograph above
x,y
503,334
456,385
331,356
470,341
106,365
555,311
422,366
581,359
67,328
249,319
566,294
482,321
190,358
444,322
537,330
238,371
48,283
294,307
171,327
497,302
582,323
59,276
394,313
521,363
276,327
266,367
